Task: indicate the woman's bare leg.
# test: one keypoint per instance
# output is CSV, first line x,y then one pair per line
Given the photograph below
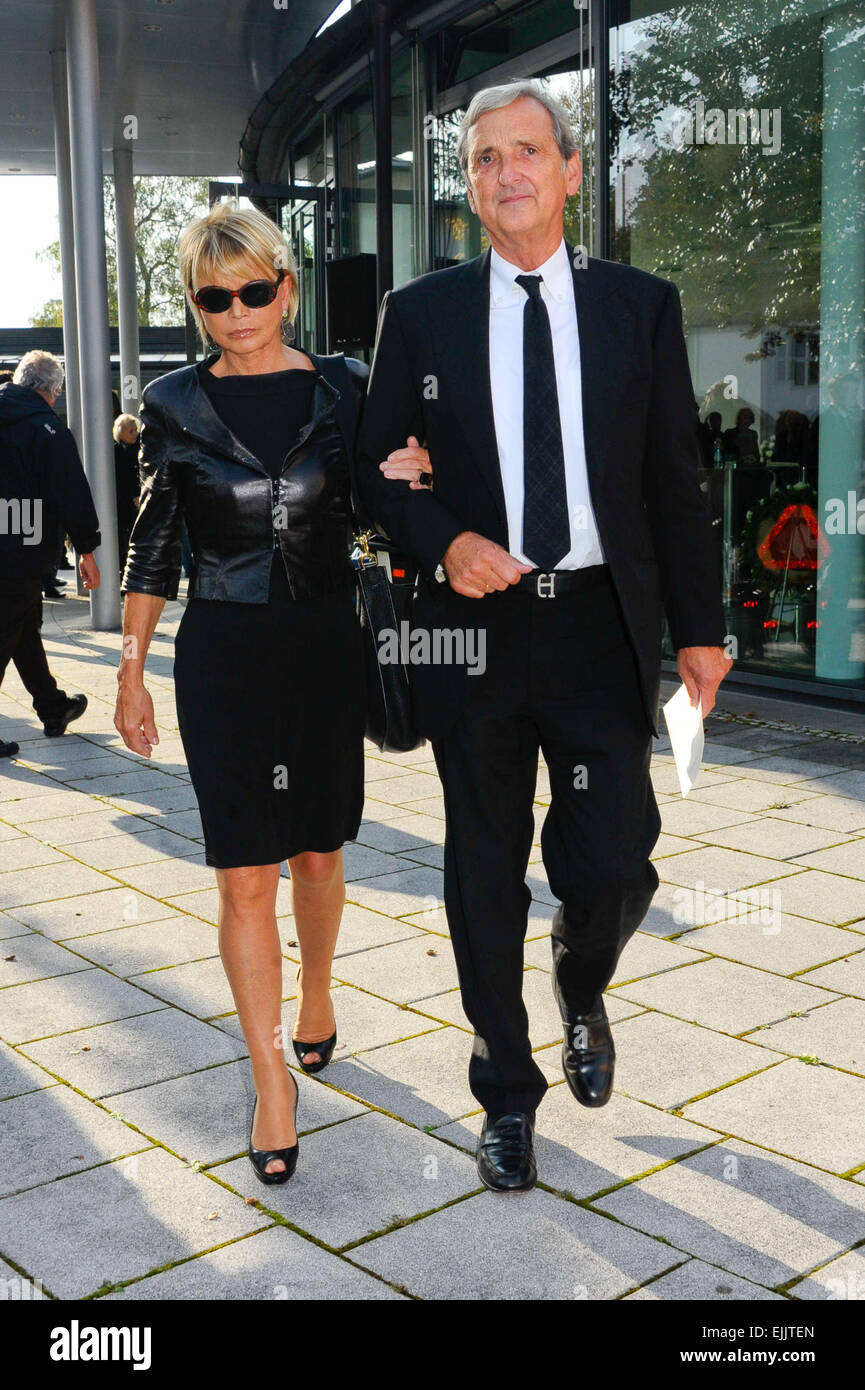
x,y
318,895
250,951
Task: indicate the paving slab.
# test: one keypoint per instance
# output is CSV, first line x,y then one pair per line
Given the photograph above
x,y
18,1075
720,869
847,974
361,929
833,1034
698,1282
200,986
53,1132
20,887
750,794
667,1062
204,1117
47,1007
118,1221
791,945
847,859
142,843
359,1177
423,1080
829,812
827,898
776,839
404,971
274,1264
724,995
757,1214
129,950
135,1051
404,832
34,957
810,1113
523,1247
399,894
91,912
842,1280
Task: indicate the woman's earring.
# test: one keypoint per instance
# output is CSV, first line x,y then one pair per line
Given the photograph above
x,y
287,330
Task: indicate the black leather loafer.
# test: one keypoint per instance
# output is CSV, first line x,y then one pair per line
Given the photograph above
x,y
75,707
505,1158
588,1055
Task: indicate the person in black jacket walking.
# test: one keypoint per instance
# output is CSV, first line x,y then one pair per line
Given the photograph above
x,y
42,487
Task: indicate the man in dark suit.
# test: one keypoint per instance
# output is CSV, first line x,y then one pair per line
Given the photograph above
x,y
553,393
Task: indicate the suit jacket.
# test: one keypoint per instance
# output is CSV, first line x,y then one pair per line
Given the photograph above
x,y
431,378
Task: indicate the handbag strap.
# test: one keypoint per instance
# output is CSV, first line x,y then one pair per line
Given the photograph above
x,y
335,371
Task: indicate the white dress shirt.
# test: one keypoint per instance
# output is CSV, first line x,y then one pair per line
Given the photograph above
x,y
507,303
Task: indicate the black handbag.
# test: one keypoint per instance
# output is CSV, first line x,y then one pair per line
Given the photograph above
x,y
389,721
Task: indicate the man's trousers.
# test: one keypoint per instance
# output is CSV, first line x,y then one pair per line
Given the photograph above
x,y
21,642
561,678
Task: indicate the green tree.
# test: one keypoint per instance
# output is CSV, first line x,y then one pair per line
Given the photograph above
x,y
163,207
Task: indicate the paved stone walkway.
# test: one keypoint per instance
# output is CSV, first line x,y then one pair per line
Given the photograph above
x,y
729,1164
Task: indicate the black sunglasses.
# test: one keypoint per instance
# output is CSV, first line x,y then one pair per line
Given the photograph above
x,y
256,294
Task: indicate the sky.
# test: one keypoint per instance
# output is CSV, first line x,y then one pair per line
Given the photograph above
x,y
28,223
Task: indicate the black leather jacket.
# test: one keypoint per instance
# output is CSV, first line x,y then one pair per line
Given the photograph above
x,y
238,517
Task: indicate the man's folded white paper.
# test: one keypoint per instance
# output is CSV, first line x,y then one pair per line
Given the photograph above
x,y
685,727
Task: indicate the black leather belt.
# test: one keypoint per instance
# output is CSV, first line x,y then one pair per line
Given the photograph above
x,y
553,583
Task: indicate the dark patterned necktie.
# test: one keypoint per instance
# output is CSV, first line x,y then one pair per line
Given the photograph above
x,y
546,529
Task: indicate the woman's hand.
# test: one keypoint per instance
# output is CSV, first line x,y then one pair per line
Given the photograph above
x,y
134,719
409,464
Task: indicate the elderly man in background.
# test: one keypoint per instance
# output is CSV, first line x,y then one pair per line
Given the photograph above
x,y
127,486
42,487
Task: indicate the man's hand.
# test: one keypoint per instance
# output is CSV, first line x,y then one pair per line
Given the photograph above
x,y
134,719
89,571
702,669
408,464
475,566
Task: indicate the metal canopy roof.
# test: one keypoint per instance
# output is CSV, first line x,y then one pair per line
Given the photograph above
x,y
191,71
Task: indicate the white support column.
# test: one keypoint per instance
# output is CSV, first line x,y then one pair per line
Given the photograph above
x,y
67,242
91,285
127,284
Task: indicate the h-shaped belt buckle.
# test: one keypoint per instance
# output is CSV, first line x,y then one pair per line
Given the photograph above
x,y
546,585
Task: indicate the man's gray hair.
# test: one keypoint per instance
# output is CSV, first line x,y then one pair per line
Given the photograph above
x,y
41,371
492,98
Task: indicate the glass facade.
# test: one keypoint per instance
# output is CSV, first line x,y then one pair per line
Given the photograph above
x,y
731,149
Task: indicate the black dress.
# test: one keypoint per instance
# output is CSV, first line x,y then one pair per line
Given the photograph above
x,y
270,696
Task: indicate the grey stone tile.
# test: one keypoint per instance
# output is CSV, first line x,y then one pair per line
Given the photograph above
x,y
18,1075
827,897
847,859
811,1113
361,862
53,1132
10,928
840,1280
423,1080
404,971
145,845
204,1117
134,1052
688,817
92,912
405,789
427,806
531,1246
725,995
696,1281
774,838
398,894
750,794
362,1022
830,812
122,784
34,957
9,832
169,877
433,855
272,1264
404,832
59,1005
119,1221
361,929
846,975
27,853
26,886
755,1213
666,1062
186,823
795,945
129,950
200,987
179,796
355,1178
17,1287
84,829
833,1034
722,869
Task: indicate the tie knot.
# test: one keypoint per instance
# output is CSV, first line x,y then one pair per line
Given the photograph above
x,y
531,284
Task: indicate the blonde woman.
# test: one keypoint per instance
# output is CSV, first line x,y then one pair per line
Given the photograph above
x,y
250,449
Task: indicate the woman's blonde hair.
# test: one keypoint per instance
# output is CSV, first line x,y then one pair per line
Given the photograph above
x,y
123,422
229,241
